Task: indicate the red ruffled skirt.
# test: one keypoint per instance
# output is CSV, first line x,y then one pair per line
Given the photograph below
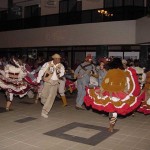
x,y
145,107
120,102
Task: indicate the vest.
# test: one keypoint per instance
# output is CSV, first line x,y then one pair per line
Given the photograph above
x,y
49,72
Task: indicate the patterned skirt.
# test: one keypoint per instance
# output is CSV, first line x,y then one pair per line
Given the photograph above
x,y
145,107
14,86
119,101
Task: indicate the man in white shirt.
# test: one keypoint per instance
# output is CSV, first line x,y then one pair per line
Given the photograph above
x,y
51,72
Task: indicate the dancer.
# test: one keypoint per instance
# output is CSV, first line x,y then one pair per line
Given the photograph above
x,y
51,72
82,73
145,106
119,92
12,80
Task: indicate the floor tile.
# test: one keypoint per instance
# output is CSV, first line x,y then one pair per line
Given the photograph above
x,y
68,129
93,140
27,119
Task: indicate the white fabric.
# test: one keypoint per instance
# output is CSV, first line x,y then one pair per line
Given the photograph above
x,y
148,101
42,71
114,115
62,71
93,81
12,69
30,94
45,67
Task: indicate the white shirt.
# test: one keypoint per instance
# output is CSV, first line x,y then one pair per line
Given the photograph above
x,y
54,76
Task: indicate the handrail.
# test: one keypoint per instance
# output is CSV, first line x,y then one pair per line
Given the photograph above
x,y
78,17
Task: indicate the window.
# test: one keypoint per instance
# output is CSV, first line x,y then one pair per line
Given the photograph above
x,y
148,3
118,3
79,5
3,15
69,6
72,5
128,3
139,3
108,3
63,6
32,11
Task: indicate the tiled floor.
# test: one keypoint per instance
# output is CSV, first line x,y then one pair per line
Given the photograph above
x,y
68,128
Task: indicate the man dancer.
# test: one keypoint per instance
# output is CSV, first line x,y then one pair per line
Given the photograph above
x,y
82,73
51,72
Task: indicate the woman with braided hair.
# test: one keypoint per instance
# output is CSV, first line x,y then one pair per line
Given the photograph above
x,y
119,92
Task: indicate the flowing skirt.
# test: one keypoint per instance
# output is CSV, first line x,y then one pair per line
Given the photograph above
x,y
121,102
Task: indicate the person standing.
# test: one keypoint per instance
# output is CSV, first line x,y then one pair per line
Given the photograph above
x,y
102,70
51,72
140,73
83,73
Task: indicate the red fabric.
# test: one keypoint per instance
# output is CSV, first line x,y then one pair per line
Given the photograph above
x,y
111,108
137,89
125,108
70,84
144,109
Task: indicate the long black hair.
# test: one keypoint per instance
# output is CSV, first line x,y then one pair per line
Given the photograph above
x,y
116,63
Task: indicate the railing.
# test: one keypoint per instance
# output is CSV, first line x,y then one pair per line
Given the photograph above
x,y
86,16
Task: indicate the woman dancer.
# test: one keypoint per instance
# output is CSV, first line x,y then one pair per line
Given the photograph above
x,y
119,92
12,80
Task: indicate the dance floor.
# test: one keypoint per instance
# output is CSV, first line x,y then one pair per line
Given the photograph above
x,y
23,128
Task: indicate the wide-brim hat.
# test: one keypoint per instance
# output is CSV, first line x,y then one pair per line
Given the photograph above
x,y
56,56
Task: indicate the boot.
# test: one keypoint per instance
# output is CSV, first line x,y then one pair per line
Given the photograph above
x,y
112,122
111,128
64,100
8,105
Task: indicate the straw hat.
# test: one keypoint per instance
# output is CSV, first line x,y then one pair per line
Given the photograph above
x,y
56,56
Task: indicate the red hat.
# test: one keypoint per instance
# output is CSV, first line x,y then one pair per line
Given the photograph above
x,y
104,59
88,57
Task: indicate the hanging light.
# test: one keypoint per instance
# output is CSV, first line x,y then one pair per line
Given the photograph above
x,y
105,12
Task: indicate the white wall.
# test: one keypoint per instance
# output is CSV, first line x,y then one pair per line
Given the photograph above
x,y
3,4
143,30
47,9
92,4
108,33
